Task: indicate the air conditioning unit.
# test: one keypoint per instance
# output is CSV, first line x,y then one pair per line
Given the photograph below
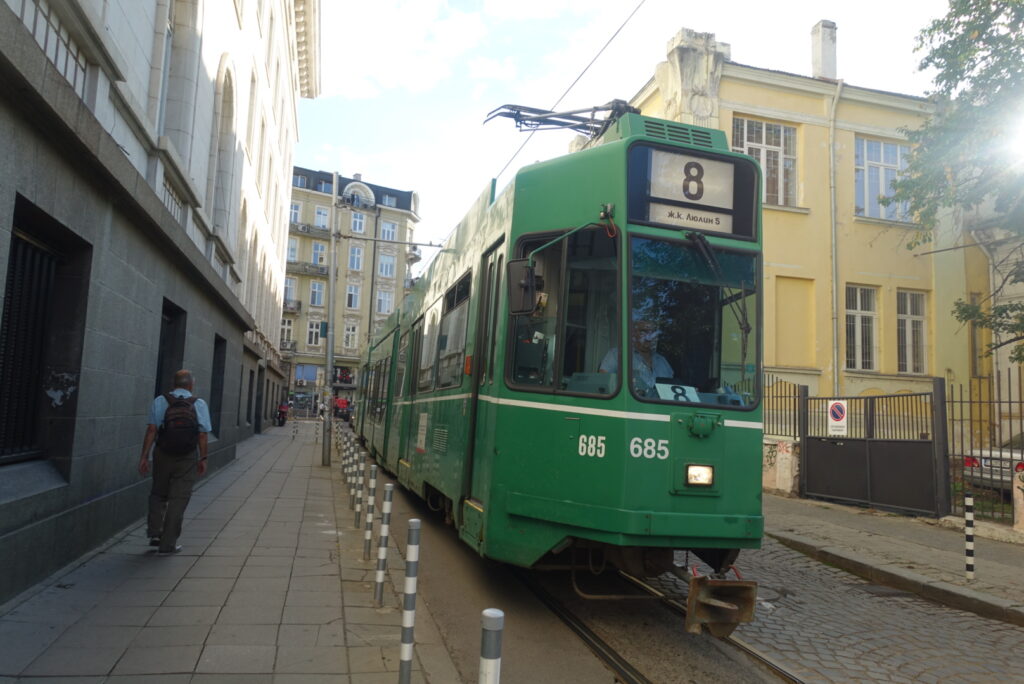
x,y
300,383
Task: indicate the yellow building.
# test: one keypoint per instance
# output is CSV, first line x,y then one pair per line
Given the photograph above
x,y
849,309
372,225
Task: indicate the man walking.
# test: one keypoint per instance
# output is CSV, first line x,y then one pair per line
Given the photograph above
x,y
179,424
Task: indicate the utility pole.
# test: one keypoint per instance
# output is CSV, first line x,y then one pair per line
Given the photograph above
x,y
325,457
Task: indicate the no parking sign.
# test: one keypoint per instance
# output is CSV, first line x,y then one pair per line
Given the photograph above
x,y
837,418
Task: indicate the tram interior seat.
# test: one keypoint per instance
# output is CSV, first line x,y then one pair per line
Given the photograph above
x,y
591,383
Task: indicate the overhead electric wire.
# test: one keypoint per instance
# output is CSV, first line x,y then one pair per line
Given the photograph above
x,y
573,84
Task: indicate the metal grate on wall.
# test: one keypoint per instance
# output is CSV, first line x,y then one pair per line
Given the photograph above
x,y
30,275
679,134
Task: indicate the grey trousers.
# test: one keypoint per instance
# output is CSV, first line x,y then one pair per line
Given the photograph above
x,y
173,479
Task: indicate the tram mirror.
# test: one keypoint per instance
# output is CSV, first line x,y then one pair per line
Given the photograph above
x,y
521,287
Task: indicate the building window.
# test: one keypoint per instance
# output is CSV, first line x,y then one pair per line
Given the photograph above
x,y
355,258
389,230
313,334
289,288
293,214
324,186
385,302
350,336
358,222
293,249
352,297
300,181
910,331
386,268
320,221
286,330
389,201
877,165
316,293
774,147
319,253
861,317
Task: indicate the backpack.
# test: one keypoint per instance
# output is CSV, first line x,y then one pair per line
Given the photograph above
x,y
179,434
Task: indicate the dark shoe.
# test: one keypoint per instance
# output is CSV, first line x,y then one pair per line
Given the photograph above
x,y
154,541
169,552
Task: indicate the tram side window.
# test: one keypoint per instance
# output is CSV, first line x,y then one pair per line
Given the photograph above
x,y
428,349
591,312
574,324
534,338
403,355
451,343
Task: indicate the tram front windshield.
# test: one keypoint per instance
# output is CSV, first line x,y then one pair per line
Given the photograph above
x,y
693,323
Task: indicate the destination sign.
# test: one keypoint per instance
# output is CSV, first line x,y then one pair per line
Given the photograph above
x,y
683,189
695,180
691,218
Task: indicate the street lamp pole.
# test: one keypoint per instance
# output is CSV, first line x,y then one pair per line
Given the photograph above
x,y
325,456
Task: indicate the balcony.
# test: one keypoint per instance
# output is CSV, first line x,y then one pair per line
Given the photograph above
x,y
306,229
292,306
413,254
306,268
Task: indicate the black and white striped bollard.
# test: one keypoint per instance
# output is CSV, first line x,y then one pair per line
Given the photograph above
x,y
969,534
352,481
360,474
412,565
382,545
368,533
493,623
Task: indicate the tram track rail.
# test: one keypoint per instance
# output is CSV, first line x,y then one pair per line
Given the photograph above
x,y
623,669
674,605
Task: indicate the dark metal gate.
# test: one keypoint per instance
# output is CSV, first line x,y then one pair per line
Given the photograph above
x,y
893,455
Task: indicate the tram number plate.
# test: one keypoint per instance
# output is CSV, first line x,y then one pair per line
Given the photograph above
x,y
592,445
648,448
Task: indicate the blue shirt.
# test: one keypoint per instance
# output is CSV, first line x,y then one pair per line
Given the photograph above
x,y
159,407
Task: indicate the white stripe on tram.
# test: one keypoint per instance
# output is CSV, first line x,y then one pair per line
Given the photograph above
x,y
582,410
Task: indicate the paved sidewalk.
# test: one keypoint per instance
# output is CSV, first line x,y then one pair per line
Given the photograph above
x,y
915,554
270,587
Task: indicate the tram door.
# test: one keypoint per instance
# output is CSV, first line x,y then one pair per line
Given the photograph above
x,y
487,375
410,411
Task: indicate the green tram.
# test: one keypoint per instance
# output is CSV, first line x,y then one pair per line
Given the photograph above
x,y
576,376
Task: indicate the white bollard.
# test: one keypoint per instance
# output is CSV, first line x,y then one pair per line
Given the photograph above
x,y
412,564
969,534
382,545
359,494
368,532
493,622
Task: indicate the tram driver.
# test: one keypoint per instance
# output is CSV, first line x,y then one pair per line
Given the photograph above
x,y
648,364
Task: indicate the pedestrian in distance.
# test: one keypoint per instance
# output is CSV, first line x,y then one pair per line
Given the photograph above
x,y
179,424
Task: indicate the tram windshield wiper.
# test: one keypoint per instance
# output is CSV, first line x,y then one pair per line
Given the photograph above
x,y
736,301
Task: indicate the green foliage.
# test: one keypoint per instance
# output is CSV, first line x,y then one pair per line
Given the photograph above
x,y
1003,319
971,152
965,154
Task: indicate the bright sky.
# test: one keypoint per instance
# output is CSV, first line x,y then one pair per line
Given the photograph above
x,y
406,84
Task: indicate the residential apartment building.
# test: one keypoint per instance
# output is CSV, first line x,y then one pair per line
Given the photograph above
x,y
145,152
849,309
372,225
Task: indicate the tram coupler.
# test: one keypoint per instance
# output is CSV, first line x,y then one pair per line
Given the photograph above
x,y
719,604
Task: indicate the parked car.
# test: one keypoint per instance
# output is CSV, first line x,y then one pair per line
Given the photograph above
x,y
994,468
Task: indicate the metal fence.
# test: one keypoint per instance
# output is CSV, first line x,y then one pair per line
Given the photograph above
x,y
986,442
889,417
782,406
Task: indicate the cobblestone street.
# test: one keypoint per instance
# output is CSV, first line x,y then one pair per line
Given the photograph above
x,y
826,625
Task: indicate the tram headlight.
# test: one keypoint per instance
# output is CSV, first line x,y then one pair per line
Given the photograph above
x,y
700,475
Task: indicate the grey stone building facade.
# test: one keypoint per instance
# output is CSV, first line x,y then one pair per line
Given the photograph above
x,y
144,182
